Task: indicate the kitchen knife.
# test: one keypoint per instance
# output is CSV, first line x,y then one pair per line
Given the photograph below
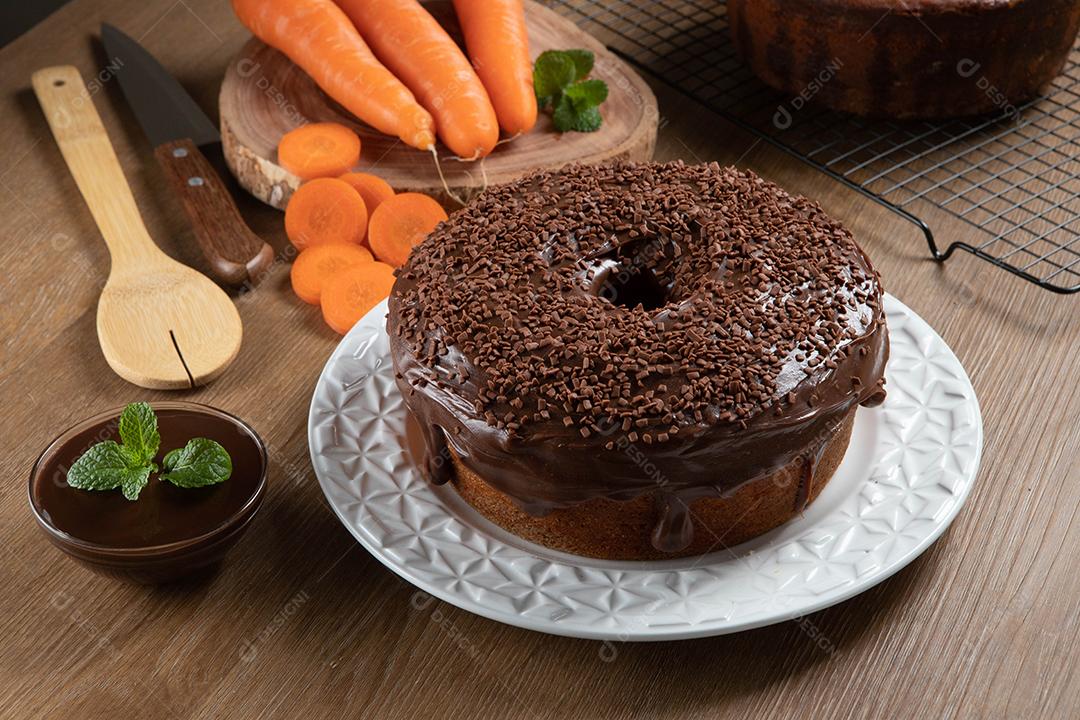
x,y
180,132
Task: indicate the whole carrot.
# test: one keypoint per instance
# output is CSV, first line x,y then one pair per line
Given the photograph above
x,y
414,46
316,35
498,46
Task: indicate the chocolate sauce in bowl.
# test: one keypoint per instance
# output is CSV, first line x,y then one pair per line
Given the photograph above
x,y
163,513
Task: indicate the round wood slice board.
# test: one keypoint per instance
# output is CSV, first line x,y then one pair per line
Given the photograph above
x,y
264,95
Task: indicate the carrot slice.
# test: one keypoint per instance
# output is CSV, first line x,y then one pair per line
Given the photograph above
x,y
400,223
371,187
326,210
319,150
350,293
313,267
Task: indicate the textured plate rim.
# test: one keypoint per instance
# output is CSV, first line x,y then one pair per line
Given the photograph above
x,y
651,633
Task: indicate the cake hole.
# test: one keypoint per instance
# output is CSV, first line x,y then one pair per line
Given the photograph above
x,y
631,286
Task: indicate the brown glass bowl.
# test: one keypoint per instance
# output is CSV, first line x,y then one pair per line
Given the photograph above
x,y
169,533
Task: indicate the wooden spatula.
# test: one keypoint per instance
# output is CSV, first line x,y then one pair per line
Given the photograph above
x,y
160,323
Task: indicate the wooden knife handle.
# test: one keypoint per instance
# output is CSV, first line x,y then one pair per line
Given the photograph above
x,y
236,255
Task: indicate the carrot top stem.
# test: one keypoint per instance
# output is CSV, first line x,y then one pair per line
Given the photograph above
x,y
442,178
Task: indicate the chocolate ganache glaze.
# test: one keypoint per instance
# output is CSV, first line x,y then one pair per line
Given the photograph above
x,y
608,331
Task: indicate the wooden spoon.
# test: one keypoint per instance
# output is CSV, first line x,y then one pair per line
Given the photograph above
x,y
160,323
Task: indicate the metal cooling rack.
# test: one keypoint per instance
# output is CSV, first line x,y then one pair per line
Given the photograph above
x,y
1014,177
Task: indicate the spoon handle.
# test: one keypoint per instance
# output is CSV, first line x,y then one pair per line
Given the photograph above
x,y
90,157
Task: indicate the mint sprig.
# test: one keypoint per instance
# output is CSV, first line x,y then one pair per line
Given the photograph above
x,y
560,80
127,465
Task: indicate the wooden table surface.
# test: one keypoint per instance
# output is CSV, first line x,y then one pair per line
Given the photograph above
x,y
302,622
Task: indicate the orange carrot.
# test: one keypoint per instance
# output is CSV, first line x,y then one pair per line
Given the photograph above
x,y
314,266
400,223
319,150
325,211
371,187
499,49
414,46
316,35
350,293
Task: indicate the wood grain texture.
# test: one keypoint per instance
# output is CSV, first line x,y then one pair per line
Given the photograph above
x,y
160,324
263,96
235,255
302,622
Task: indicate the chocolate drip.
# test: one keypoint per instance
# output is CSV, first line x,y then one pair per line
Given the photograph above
x,y
674,531
877,397
437,462
806,476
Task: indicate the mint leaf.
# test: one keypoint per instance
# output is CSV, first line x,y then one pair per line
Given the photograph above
x,y
134,480
169,461
552,72
107,466
139,431
201,462
102,467
568,118
587,120
587,93
563,116
583,62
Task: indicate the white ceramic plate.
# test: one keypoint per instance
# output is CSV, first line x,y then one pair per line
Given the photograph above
x,y
910,465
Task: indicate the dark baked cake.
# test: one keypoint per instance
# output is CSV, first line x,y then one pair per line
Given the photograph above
x,y
638,361
907,58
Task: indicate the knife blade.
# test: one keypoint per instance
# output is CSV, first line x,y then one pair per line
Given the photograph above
x,y
180,132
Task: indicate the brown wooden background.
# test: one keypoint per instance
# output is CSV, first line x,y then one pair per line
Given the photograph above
x,y
304,623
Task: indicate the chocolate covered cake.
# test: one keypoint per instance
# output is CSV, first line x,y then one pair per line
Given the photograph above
x,y
907,58
640,360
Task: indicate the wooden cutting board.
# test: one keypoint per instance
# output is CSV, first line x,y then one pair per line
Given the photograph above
x,y
264,96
